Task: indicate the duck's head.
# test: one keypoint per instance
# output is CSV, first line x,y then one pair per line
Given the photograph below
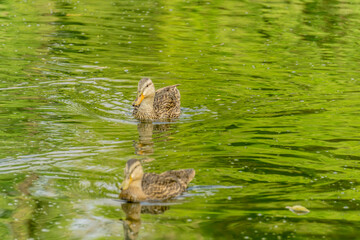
x,y
146,89
133,172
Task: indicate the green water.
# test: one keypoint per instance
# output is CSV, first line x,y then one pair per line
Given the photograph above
x,y
270,118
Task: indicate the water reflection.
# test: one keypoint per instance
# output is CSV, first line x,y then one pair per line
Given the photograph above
x,y
145,145
132,222
21,223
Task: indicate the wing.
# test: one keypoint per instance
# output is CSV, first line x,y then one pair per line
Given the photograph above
x,y
167,102
184,176
158,187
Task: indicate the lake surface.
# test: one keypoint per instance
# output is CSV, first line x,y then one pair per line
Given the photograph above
x,y
270,118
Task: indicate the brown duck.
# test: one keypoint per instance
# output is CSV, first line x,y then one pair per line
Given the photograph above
x,y
139,186
154,105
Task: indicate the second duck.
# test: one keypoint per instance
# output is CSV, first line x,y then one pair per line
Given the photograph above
x,y
163,104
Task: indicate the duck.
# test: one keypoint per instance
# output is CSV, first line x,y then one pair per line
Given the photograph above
x,y
139,186
162,104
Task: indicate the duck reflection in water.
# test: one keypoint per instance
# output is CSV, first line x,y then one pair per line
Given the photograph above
x,y
145,145
132,222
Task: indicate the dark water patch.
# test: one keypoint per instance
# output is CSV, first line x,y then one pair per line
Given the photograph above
x,y
336,140
270,132
297,112
241,144
346,157
309,148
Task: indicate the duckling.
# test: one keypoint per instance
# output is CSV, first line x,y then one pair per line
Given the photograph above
x,y
154,105
139,186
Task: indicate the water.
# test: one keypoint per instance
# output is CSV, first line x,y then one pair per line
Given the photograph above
x,y
269,118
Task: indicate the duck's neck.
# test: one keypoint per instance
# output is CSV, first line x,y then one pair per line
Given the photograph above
x,y
135,192
146,109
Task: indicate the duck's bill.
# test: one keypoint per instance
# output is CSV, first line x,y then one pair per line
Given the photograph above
x,y
138,100
126,183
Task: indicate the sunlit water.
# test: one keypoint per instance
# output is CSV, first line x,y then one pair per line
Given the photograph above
x,y
270,118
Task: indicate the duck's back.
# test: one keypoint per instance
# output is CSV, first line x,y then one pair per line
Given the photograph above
x,y
184,176
166,185
167,102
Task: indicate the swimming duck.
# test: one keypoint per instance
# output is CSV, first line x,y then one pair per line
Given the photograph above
x,y
154,105
139,186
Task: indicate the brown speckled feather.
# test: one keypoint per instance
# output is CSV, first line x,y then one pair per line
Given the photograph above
x,y
167,102
166,185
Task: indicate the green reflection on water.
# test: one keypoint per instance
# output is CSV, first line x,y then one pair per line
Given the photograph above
x,y
270,117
